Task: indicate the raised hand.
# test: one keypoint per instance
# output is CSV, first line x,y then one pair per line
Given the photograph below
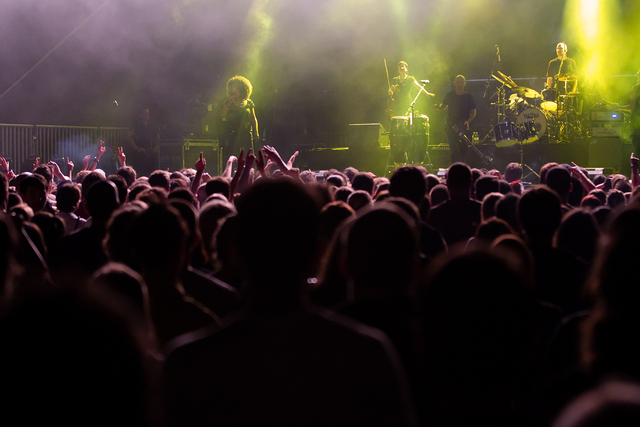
x,y
85,161
69,167
37,163
292,159
201,164
4,165
54,166
122,158
240,162
575,170
634,161
101,149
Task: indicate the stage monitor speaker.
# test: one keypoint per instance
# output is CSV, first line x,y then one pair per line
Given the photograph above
x,y
210,149
366,135
170,155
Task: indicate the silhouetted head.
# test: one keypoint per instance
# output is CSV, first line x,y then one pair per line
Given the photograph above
x,y
382,248
559,180
578,233
459,179
359,199
439,194
33,190
159,239
408,182
160,179
102,200
128,173
486,184
281,254
540,213
513,172
363,181
489,205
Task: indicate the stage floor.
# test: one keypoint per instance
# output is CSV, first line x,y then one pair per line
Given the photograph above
x,y
612,154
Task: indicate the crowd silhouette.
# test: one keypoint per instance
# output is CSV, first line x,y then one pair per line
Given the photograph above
x,y
273,296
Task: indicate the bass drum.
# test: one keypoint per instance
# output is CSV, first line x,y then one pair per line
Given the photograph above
x,y
529,119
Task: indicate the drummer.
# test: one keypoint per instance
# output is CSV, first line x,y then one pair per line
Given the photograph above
x,y
560,65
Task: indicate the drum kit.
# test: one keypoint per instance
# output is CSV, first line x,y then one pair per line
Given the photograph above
x,y
409,138
528,116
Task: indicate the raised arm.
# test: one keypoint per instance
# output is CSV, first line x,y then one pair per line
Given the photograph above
x,y
122,158
635,177
56,170
4,166
70,166
229,167
292,159
236,177
245,178
273,155
584,180
201,164
96,159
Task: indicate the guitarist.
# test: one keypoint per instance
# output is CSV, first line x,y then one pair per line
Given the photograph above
x,y
462,110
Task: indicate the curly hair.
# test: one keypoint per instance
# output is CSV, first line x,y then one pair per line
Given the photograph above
x,y
243,84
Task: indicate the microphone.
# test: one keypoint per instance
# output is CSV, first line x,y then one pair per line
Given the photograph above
x,y
424,81
497,47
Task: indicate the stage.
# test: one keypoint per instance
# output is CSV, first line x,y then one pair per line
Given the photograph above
x,y
611,154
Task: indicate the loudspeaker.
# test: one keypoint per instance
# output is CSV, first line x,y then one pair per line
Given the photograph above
x,y
210,149
367,135
607,153
170,155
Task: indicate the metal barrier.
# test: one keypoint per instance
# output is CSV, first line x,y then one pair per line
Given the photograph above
x,y
22,143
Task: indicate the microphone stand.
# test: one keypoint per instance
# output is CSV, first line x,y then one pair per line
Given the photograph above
x,y
413,132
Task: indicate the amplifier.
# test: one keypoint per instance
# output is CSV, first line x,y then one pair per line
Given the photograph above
x,y
607,116
210,149
606,131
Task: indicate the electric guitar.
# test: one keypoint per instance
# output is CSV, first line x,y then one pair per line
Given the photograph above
x,y
460,129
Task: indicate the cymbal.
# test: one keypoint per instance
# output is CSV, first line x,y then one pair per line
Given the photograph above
x,y
498,79
525,92
566,77
507,80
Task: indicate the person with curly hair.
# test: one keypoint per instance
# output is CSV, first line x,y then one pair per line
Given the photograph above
x,y
239,122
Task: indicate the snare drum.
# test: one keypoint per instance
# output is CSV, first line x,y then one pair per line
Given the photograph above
x,y
532,118
505,135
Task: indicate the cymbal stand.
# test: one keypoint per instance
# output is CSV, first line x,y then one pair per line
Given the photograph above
x,y
501,104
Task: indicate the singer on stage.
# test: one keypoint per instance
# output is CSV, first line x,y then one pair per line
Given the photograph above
x,y
239,122
462,110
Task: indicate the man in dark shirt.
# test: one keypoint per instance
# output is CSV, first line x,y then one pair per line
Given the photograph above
x,y
462,110
145,139
458,217
561,65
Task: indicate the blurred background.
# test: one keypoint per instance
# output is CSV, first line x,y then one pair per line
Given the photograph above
x,y
316,66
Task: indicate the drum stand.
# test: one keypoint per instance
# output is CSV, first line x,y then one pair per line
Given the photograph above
x,y
522,163
569,127
415,143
